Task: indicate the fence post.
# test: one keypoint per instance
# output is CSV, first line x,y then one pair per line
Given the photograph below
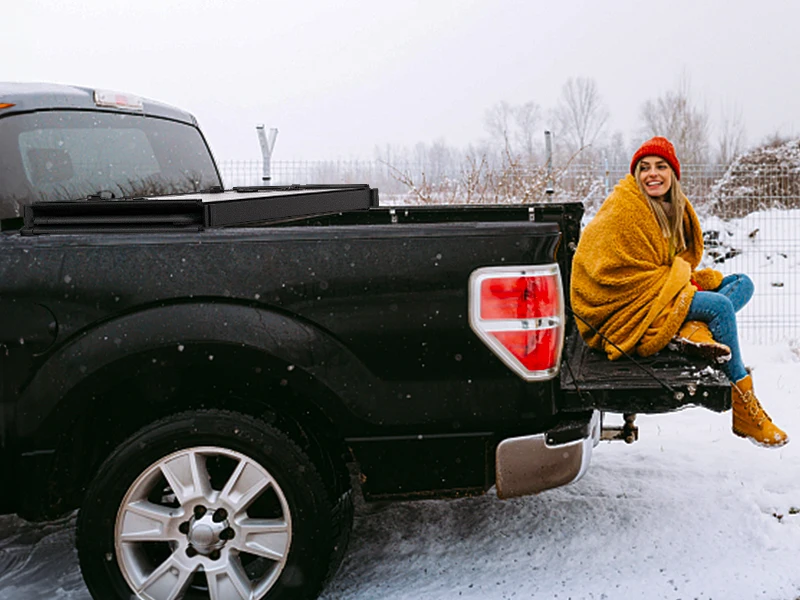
x,y
548,151
267,146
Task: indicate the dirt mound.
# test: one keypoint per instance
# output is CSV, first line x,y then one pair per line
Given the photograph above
x,y
767,177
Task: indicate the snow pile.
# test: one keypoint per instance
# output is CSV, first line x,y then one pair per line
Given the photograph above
x,y
38,561
768,177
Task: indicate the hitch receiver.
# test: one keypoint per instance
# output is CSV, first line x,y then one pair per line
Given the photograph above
x,y
628,432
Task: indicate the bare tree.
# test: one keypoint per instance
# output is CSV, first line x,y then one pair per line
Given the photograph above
x,y
731,139
515,128
616,150
675,116
441,161
498,121
775,139
580,115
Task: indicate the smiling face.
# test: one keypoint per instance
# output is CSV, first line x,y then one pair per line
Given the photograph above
x,y
655,175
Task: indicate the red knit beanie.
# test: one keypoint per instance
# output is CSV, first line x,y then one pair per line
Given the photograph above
x,y
661,147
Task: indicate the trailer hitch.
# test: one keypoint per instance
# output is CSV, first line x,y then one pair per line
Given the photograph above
x,y
628,432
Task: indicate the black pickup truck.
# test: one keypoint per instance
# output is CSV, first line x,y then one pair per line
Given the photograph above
x,y
207,374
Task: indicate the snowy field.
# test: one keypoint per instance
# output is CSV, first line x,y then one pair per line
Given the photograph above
x,y
689,511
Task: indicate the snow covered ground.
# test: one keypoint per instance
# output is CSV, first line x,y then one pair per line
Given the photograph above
x,y
688,511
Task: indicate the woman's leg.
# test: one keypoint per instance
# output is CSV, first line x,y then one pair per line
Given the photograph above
x,y
738,288
717,310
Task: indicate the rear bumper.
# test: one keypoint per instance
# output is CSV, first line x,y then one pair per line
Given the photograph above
x,y
531,464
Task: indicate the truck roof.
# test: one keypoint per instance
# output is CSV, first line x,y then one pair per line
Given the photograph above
x,y
26,97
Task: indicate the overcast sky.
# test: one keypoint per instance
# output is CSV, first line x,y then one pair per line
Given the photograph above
x,y
340,77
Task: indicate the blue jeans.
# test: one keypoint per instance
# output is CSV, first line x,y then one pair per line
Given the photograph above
x,y
718,309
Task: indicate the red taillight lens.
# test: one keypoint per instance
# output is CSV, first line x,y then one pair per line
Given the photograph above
x,y
536,350
518,312
519,297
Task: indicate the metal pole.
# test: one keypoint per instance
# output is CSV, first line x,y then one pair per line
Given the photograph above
x,y
267,146
548,150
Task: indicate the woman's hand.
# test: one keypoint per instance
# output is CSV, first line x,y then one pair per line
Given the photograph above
x,y
707,279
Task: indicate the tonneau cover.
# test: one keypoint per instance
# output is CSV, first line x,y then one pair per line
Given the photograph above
x,y
240,206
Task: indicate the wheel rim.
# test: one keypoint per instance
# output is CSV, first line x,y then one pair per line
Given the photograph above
x,y
204,522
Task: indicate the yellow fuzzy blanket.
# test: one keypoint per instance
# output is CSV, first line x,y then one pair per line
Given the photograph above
x,y
623,281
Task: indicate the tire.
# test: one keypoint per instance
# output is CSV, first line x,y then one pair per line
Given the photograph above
x,y
210,505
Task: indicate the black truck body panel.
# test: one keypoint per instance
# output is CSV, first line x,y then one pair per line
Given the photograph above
x,y
369,305
386,293
376,315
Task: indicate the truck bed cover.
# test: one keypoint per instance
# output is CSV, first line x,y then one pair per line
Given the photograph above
x,y
195,211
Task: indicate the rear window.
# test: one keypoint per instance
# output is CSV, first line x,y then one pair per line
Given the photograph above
x,y
71,155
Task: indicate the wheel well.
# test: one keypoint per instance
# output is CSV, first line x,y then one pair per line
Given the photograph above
x,y
130,394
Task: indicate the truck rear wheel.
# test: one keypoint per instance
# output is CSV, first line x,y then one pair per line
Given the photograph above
x,y
210,505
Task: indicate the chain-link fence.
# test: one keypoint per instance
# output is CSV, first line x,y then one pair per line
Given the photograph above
x,y
246,173
750,213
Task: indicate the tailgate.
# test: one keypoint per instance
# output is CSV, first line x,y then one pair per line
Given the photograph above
x,y
660,383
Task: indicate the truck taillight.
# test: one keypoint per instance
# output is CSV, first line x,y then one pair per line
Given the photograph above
x,y
518,312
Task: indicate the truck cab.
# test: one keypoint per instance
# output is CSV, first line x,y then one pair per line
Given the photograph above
x,y
62,143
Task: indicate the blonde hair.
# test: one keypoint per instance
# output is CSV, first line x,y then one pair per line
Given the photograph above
x,y
671,225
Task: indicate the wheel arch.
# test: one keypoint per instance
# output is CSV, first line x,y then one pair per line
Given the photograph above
x,y
208,364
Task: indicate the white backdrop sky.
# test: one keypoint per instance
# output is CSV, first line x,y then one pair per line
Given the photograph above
x,y
340,78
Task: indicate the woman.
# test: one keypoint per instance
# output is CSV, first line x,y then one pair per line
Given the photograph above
x,y
635,287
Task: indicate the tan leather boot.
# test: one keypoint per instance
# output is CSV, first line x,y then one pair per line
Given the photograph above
x,y
750,420
694,337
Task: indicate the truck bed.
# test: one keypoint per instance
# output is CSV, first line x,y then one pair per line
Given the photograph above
x,y
664,382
